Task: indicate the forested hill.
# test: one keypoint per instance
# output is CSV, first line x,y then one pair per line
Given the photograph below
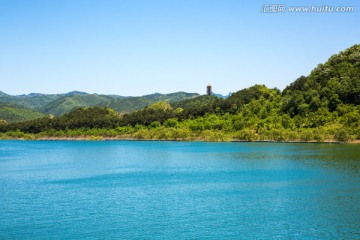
x,y
2,94
329,85
323,106
58,104
14,113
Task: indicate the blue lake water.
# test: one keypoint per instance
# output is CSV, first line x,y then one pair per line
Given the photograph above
x,y
182,190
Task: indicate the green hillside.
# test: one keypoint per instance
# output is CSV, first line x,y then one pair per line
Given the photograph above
x,y
196,102
329,86
171,97
12,113
67,103
131,104
196,106
58,104
30,101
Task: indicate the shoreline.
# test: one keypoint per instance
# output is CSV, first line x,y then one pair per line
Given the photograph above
x,y
99,138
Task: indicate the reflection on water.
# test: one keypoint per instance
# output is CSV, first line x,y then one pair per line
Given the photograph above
x,y
158,190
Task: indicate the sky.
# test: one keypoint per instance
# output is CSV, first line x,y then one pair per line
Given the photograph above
x,y
138,47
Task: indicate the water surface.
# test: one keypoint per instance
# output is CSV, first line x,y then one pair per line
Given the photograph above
x,y
183,190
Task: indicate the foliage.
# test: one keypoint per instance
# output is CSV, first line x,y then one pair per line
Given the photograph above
x,y
329,85
12,113
94,117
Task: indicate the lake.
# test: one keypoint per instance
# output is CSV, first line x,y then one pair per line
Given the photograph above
x,y
182,190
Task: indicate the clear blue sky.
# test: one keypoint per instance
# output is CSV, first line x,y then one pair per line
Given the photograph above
x,y
137,47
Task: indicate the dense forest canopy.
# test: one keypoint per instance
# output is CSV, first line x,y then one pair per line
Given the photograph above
x,y
322,106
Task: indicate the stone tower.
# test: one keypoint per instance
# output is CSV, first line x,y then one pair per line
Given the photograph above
x,y
208,90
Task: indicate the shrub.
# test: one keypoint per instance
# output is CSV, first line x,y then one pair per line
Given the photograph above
x,y
342,135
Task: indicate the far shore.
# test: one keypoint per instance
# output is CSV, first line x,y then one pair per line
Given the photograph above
x,y
100,138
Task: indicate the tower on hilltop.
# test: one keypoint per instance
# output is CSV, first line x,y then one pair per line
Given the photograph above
x,y
208,90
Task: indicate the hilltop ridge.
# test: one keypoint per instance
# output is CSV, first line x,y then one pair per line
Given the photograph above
x,y
58,104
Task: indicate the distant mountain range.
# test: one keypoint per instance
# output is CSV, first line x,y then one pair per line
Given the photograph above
x,y
29,106
222,96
